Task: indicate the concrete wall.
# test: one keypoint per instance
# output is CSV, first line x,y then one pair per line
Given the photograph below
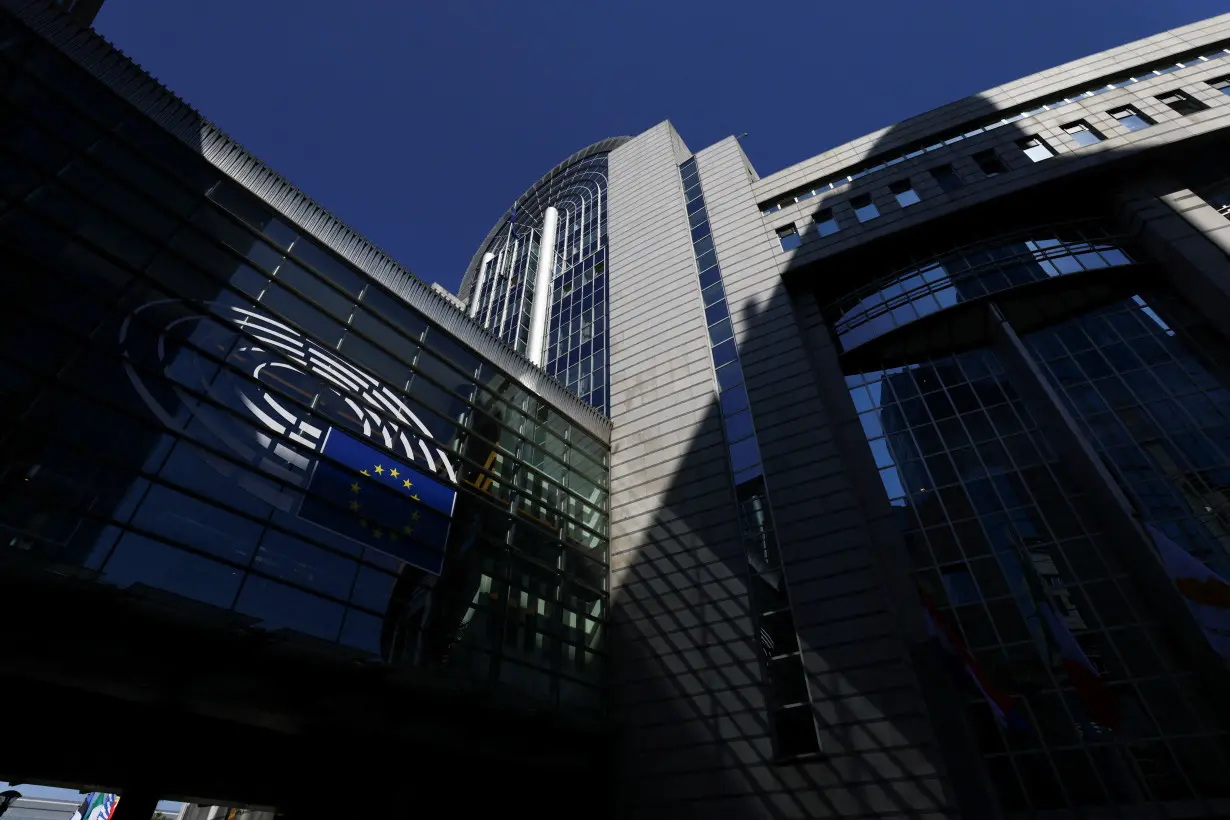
x,y
1022,173
696,741
686,689
1037,87
696,738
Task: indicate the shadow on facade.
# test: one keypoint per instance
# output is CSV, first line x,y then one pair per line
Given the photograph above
x,y
199,701
1063,188
687,656
891,716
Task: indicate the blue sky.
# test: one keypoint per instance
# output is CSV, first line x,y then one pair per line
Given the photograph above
x,y
418,123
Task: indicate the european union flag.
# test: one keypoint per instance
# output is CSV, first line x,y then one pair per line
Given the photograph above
x,y
361,493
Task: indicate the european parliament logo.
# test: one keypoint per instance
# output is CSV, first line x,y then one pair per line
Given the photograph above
x,y
398,499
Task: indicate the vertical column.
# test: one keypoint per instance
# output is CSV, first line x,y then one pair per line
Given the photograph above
x,y
1188,236
495,284
476,296
542,289
512,265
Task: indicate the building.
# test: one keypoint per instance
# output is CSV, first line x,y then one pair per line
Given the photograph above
x,y
265,491
977,350
672,493
41,808
195,812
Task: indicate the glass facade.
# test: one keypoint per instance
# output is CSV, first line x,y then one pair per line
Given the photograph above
x,y
989,510
792,717
1146,380
974,272
203,401
576,344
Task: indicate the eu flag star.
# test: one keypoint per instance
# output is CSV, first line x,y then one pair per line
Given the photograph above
x,y
415,530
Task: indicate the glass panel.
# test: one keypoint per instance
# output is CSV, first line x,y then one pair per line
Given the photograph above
x,y
138,560
738,426
329,267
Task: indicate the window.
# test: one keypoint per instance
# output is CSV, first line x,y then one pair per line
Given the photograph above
x,y
947,178
1082,133
795,730
824,221
864,208
905,193
1222,84
1130,118
788,235
1181,103
1035,148
989,163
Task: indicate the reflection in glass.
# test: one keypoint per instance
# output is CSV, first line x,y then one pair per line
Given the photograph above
x,y
171,436
990,516
971,273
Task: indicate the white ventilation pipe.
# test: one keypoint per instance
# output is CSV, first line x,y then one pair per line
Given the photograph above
x,y
495,285
512,263
537,347
478,286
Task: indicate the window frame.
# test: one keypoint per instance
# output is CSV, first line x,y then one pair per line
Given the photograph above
x,y
947,171
868,203
1129,113
1182,103
1083,127
830,218
1035,148
991,158
788,236
904,188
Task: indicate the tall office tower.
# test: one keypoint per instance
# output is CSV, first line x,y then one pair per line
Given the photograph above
x,y
892,484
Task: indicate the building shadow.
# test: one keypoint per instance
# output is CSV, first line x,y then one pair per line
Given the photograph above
x,y
692,688
1024,173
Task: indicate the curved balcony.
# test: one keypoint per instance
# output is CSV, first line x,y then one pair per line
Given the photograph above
x,y
973,273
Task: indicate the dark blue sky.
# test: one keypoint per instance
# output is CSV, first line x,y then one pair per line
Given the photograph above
x,y
418,122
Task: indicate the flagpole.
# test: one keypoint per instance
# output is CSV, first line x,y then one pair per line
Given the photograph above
x,y
1121,760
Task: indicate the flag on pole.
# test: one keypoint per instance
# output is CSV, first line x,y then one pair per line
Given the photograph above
x,y
96,806
1094,693
950,641
1206,593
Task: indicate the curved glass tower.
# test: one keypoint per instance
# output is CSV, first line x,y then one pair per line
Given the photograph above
x,y
552,307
